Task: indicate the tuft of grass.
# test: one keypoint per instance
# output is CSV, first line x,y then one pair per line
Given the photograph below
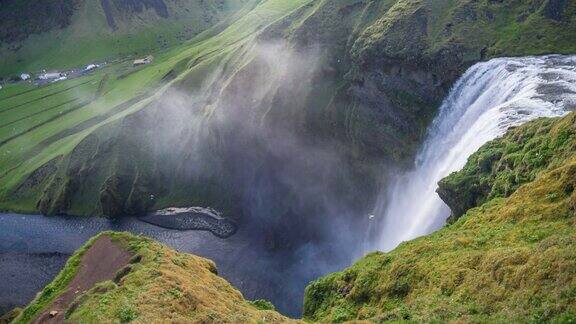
x,y
127,313
262,304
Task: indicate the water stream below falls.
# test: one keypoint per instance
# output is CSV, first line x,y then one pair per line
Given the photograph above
x,y
487,100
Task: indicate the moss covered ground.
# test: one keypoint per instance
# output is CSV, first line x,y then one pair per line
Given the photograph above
x,y
509,260
159,285
503,165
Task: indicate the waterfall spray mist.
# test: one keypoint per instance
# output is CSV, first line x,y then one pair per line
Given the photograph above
x,y
490,98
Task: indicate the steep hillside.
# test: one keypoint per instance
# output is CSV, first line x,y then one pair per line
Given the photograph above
x,y
59,34
259,116
117,277
511,259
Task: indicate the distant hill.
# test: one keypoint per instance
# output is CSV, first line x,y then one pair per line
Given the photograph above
x,y
38,34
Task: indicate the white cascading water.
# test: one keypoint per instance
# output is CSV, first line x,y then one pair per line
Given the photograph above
x,y
489,98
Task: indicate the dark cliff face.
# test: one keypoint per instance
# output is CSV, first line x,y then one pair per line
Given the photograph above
x,y
20,19
555,9
111,7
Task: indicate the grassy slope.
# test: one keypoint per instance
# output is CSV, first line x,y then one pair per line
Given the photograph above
x,y
511,259
509,162
352,35
160,285
43,129
45,141
89,38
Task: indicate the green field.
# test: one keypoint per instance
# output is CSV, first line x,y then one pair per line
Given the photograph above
x,y
40,124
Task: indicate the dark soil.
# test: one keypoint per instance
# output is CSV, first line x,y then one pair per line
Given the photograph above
x,y
100,263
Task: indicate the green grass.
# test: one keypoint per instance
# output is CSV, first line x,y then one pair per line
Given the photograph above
x,y
511,259
503,165
39,126
420,31
88,38
159,285
42,126
262,304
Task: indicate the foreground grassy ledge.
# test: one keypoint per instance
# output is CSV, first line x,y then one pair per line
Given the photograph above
x,y
156,284
511,259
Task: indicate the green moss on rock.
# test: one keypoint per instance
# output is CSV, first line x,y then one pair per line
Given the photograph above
x,y
158,285
511,259
500,167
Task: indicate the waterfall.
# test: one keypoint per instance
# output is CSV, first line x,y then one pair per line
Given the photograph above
x,y
487,100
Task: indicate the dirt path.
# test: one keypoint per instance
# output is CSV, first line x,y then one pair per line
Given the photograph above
x,y
100,263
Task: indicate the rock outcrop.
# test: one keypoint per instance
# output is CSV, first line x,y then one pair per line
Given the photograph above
x,y
505,164
192,218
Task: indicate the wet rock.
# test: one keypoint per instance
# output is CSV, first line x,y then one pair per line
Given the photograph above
x,y
192,218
